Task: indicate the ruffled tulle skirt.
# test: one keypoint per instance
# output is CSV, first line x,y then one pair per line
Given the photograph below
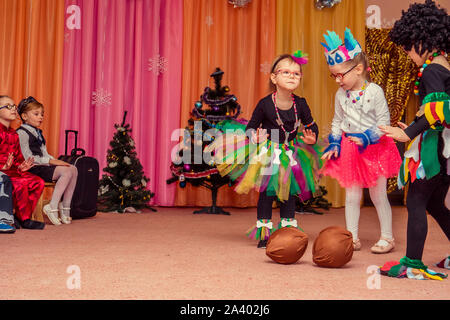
x,y
279,169
364,168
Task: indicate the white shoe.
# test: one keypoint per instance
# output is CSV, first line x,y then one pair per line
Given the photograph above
x,y
65,218
383,245
52,214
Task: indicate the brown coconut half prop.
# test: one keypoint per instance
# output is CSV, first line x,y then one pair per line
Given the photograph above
x,y
287,245
333,248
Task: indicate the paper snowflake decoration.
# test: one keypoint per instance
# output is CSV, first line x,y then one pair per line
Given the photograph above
x,y
101,97
265,67
157,64
209,21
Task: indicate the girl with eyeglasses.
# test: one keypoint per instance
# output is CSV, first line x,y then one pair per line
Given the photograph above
x,y
271,157
27,188
359,155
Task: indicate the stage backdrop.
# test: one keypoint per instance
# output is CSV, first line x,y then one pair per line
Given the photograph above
x,y
88,61
124,56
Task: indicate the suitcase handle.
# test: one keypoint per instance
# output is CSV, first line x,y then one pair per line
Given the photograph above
x,y
67,137
75,152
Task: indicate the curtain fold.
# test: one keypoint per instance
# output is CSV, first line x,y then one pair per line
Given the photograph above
x,y
241,41
31,53
126,56
299,25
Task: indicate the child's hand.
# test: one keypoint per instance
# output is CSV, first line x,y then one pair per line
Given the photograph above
x,y
330,154
260,136
356,140
9,162
396,133
309,136
57,162
402,125
26,165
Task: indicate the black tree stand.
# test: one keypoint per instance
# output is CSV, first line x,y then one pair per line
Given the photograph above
x,y
214,209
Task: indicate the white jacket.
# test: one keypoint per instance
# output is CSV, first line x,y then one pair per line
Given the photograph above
x,y
367,113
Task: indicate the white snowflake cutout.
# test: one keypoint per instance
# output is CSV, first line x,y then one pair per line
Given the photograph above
x,y
157,64
101,97
265,67
209,21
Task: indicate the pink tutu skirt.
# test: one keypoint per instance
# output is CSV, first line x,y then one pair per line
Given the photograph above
x,y
363,169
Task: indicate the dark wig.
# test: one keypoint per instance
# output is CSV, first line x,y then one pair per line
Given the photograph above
x,y
424,26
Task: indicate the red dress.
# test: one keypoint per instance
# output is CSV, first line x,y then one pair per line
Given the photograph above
x,y
27,187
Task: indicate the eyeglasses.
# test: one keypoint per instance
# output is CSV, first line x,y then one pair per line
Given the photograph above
x,y
340,76
9,106
286,73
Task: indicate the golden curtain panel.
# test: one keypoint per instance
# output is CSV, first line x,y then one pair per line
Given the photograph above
x,y
394,71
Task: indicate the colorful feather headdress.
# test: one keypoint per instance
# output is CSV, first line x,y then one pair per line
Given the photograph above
x,y
336,52
300,57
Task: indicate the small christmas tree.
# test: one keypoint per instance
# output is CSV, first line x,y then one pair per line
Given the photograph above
x,y
215,110
123,187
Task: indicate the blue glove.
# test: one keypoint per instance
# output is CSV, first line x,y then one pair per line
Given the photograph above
x,y
335,145
367,137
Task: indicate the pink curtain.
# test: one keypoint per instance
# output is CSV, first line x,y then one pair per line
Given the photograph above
x,y
124,56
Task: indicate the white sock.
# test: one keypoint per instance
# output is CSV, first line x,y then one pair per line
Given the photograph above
x,y
379,198
352,209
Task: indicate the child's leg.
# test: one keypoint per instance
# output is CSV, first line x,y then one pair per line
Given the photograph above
x,y
67,199
264,226
66,179
27,190
378,195
6,200
264,209
287,208
419,193
352,209
436,205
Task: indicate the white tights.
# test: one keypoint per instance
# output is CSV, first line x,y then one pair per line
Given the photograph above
x,y
66,180
378,195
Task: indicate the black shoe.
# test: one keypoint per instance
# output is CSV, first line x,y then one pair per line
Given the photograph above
x,y
16,223
31,224
262,243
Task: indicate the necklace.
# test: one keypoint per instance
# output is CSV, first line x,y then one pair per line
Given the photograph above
x,y
419,74
360,93
280,122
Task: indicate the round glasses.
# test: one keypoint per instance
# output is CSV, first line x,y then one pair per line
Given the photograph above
x,y
9,106
340,76
286,73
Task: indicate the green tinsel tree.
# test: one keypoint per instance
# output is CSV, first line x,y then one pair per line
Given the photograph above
x,y
123,186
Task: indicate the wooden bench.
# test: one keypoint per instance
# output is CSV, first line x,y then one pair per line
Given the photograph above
x,y
38,214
